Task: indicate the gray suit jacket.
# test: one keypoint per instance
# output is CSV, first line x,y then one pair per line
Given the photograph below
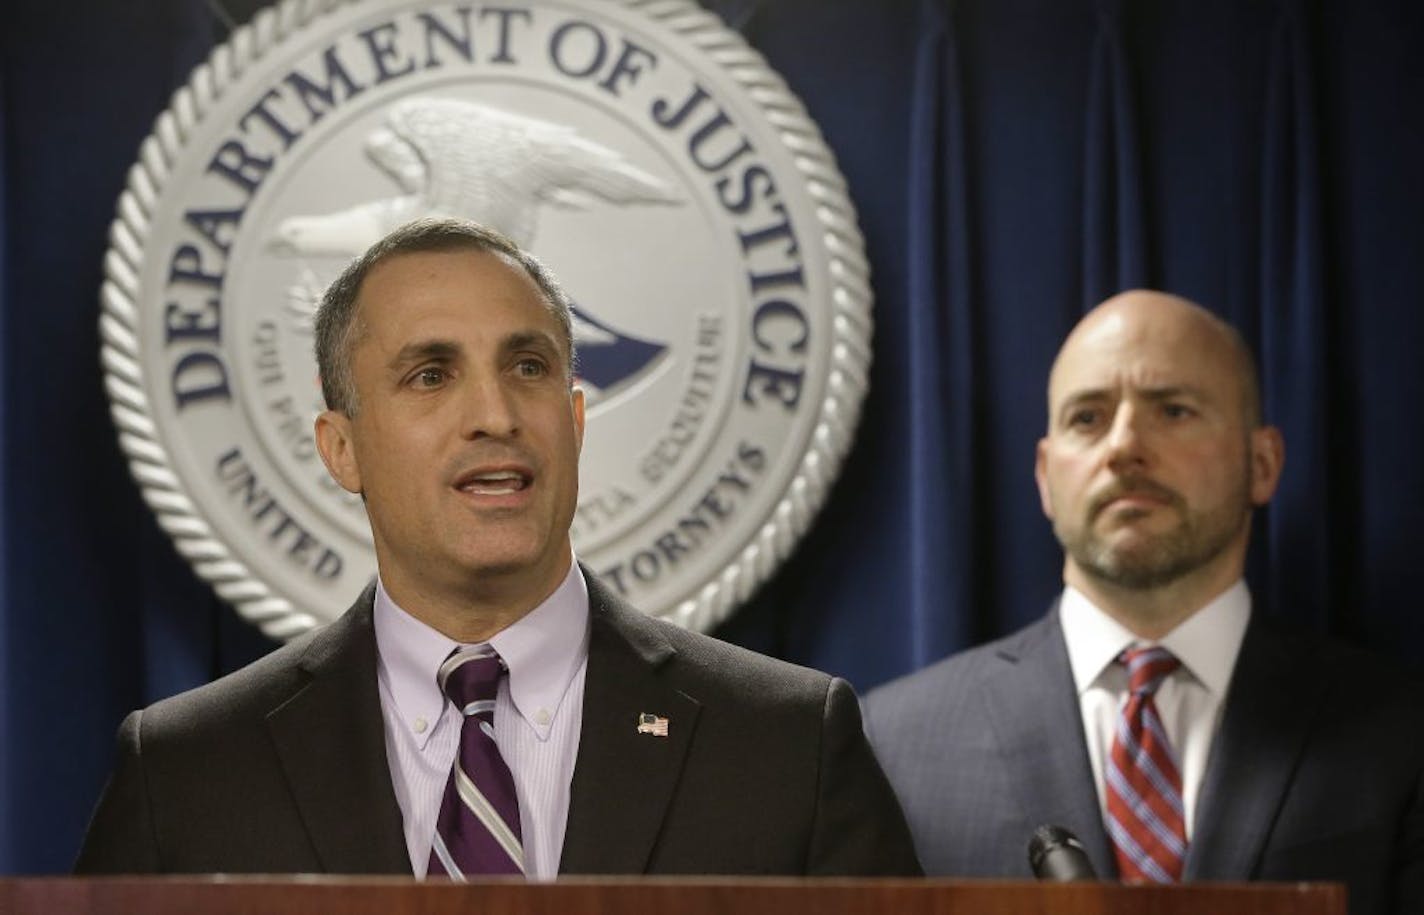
x,y
281,767
1317,772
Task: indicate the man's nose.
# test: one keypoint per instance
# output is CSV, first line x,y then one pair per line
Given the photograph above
x,y
1126,442
488,409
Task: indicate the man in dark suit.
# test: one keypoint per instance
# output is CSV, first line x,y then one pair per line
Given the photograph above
x,y
1152,712
604,742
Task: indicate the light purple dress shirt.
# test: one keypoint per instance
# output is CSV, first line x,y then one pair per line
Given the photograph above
x,y
537,717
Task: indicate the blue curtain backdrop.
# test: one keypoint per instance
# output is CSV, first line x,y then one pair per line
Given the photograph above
x,y
1013,162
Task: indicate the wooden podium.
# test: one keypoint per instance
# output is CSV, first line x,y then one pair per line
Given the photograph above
x,y
687,896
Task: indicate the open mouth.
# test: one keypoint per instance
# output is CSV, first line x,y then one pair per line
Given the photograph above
x,y
494,482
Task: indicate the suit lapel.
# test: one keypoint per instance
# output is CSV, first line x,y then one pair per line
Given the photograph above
x,y
330,738
623,780
1041,743
1268,716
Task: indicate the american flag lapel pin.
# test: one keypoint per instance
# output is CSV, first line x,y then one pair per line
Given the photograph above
x,y
652,724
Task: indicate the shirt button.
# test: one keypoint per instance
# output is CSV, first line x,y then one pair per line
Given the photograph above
x,y
420,725
542,717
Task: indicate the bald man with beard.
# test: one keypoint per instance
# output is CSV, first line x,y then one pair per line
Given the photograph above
x,y
1152,711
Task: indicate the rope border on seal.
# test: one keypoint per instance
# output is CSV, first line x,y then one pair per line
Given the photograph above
x,y
180,518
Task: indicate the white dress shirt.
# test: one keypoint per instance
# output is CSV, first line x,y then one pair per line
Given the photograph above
x,y
1189,702
537,717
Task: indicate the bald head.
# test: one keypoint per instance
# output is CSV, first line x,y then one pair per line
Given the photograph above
x,y
1138,325
1154,458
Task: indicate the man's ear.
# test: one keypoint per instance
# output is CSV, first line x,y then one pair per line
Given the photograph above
x,y
338,449
1040,476
1268,459
578,407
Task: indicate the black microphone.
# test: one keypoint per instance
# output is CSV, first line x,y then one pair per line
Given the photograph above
x,y
1054,853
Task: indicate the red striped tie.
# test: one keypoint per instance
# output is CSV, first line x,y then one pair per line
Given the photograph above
x,y
1144,786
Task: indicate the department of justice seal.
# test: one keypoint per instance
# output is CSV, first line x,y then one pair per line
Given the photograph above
x,y
640,148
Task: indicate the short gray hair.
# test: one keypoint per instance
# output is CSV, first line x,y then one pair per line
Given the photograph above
x,y
337,325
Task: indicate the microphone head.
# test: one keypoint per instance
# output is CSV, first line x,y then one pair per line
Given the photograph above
x,y
1054,853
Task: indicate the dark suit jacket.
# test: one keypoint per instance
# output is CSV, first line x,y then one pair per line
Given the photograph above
x,y
281,767
1317,772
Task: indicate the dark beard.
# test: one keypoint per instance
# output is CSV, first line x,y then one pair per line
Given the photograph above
x,y
1197,541
1158,563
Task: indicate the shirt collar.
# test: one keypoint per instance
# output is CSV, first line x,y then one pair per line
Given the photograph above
x,y
542,650
1207,642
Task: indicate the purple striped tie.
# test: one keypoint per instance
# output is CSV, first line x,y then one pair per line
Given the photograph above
x,y
478,830
1144,786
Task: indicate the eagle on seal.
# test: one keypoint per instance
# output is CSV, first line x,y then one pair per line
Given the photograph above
x,y
467,160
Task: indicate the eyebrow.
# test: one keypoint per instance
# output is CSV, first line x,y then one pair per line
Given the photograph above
x,y
527,339
424,350
1173,391
1155,395
448,350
